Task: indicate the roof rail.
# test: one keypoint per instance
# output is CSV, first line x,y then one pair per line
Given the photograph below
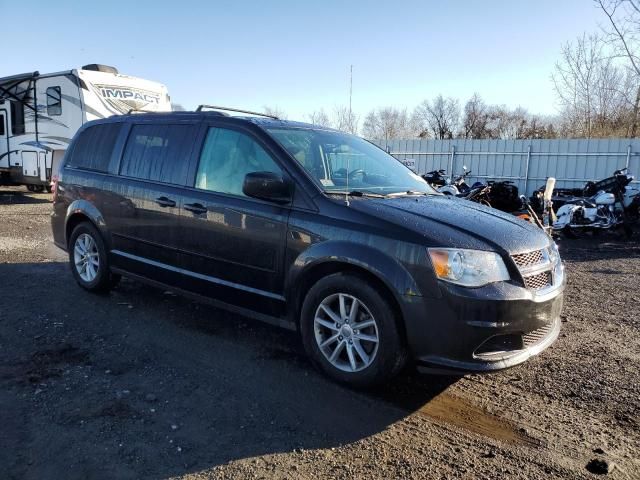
x,y
141,110
214,107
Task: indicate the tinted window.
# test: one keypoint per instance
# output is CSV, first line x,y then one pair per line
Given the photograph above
x,y
93,149
227,156
158,152
2,121
54,101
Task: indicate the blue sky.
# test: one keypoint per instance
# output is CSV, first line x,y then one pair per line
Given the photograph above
x,y
296,54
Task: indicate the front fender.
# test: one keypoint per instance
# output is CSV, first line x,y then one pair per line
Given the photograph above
x,y
563,216
387,269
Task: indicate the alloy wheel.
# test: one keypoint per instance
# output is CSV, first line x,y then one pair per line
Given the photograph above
x,y
86,257
346,332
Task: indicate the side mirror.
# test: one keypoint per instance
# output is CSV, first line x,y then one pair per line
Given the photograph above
x,y
267,186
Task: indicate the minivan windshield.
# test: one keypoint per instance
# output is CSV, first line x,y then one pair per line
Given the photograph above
x,y
343,163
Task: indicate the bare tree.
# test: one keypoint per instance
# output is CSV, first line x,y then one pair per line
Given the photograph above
x,y
624,35
441,116
177,107
275,111
475,118
319,118
344,119
388,123
592,88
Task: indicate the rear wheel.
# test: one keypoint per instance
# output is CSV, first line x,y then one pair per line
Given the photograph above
x,y
88,259
350,332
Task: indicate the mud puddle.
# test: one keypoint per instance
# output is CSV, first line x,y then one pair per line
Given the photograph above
x,y
456,411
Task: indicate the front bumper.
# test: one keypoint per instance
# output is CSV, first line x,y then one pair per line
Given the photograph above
x,y
483,329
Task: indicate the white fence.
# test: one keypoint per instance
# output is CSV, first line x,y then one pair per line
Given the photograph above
x,y
526,162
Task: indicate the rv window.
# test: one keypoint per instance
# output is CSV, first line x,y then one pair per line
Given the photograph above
x,y
93,149
17,118
2,132
158,152
54,101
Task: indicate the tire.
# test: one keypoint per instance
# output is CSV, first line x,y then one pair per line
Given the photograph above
x,y
375,362
87,249
31,188
49,188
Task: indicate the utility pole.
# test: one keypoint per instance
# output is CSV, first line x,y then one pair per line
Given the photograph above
x,y
350,97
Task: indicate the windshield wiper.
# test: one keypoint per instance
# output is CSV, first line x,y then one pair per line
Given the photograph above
x,y
408,192
356,193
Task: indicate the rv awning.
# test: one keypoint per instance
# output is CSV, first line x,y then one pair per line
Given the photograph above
x,y
18,78
18,87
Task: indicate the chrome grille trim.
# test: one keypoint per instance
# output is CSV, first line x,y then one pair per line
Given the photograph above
x,y
528,259
536,269
538,281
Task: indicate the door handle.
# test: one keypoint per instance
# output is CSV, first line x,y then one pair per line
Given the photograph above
x,y
165,202
196,208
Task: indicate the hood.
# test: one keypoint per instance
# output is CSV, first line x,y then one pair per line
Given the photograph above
x,y
452,222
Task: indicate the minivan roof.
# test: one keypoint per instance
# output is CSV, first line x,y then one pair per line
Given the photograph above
x,y
263,122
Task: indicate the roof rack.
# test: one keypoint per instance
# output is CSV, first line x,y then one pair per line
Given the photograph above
x,y
141,110
214,107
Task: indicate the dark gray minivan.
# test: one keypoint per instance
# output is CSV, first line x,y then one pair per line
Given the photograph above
x,y
311,229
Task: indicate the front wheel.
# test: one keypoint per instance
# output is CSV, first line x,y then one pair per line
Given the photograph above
x,y
350,332
88,259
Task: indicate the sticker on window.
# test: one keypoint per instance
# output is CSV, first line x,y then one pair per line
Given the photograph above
x,y
327,182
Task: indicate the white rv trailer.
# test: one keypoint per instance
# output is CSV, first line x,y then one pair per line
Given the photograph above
x,y
39,114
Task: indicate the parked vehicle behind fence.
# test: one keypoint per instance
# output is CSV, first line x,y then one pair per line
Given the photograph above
x,y
604,205
311,229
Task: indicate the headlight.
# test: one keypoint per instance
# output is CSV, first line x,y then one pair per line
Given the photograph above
x,y
469,268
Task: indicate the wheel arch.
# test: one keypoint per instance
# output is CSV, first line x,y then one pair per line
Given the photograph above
x,y
388,276
82,211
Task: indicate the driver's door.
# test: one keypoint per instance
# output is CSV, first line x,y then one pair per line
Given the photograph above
x,y
232,246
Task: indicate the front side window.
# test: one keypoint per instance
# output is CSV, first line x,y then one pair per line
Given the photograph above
x,y
226,157
54,101
158,152
340,162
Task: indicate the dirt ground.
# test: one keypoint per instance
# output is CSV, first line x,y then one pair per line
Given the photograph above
x,y
145,384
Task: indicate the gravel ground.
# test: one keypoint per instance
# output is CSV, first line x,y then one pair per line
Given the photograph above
x,y
145,384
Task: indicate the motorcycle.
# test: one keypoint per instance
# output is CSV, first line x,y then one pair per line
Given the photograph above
x,y
436,178
502,195
457,187
545,216
610,204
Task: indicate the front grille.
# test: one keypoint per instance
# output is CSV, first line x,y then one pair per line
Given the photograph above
x,y
528,259
536,336
530,265
538,280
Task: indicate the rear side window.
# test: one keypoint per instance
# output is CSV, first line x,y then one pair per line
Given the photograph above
x,y
93,149
158,152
